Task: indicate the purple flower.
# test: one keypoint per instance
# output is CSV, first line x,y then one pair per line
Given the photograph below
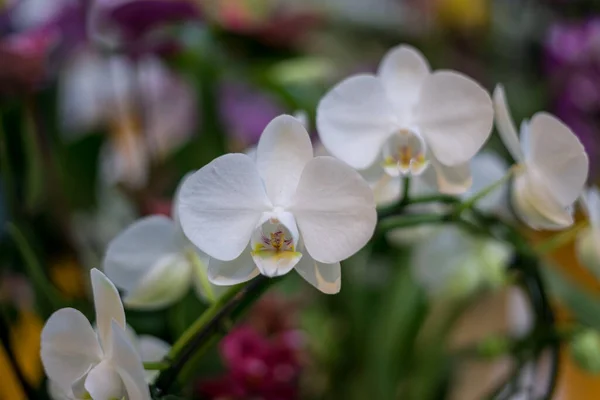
x,y
245,111
572,62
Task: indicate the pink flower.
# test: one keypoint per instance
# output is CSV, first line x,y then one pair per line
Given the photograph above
x,y
258,367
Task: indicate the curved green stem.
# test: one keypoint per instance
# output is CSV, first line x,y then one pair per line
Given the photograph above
x,y
472,201
156,366
208,326
408,220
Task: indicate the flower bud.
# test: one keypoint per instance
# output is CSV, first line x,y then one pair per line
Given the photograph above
x,y
585,349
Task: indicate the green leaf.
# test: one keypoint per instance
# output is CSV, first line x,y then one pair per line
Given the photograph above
x,y
584,305
393,333
34,178
47,297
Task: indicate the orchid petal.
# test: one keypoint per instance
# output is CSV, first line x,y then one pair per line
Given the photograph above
x,y
283,151
505,125
227,273
535,206
128,364
163,284
134,252
455,116
103,382
108,306
152,350
403,70
355,118
452,180
334,210
559,156
174,212
69,347
325,277
220,205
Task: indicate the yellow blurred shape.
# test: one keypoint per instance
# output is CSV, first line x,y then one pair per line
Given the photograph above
x,y
463,14
66,275
574,383
10,387
25,339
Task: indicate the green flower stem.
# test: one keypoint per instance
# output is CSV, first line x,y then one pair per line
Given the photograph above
x,y
203,320
397,208
560,239
471,202
437,198
203,275
404,221
405,191
209,325
156,366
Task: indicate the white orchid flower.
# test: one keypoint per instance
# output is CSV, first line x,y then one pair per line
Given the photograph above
x,y
150,349
285,209
84,364
453,262
155,264
588,241
554,167
405,118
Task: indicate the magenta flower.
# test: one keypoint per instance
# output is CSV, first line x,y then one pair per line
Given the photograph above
x,y
258,367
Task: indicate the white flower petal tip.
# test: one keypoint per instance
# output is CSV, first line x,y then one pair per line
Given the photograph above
x,y
553,169
455,115
282,152
402,71
108,305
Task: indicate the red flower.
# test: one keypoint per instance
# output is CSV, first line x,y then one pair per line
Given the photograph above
x,y
258,367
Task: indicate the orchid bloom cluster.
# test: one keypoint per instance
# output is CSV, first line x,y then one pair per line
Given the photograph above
x,y
282,208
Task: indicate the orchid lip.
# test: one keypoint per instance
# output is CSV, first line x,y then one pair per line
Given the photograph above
x,y
274,248
404,154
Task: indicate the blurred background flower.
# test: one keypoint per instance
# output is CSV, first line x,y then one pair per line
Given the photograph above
x,y
106,104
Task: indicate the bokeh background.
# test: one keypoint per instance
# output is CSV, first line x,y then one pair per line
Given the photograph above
x,y
106,104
